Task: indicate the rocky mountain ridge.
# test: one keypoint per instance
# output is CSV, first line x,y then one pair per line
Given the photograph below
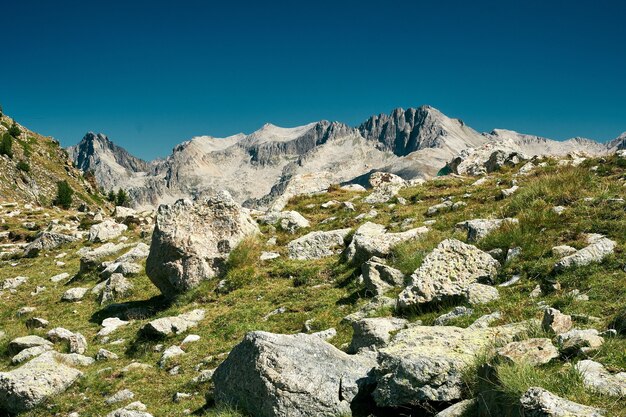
x,y
258,168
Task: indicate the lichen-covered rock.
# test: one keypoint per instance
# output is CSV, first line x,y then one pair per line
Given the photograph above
x,y
456,312
29,385
444,206
538,402
191,240
18,344
374,332
563,250
316,245
596,378
167,326
447,272
426,363
537,351
477,293
372,239
75,341
480,228
599,247
105,231
273,375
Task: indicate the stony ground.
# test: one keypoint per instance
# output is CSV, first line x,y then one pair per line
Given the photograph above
x,y
282,295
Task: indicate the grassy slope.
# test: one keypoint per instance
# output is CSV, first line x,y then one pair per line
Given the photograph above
x,y
48,163
326,290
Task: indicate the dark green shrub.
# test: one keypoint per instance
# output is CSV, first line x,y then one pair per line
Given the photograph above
x,y
14,130
121,199
6,145
64,195
23,166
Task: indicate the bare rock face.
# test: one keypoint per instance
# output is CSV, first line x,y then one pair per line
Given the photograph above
x,y
273,375
538,402
446,272
43,377
191,240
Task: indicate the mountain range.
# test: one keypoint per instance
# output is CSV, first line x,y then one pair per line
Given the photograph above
x,y
265,167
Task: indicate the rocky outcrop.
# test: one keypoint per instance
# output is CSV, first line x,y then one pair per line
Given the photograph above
x,y
372,239
43,377
316,245
191,240
271,375
447,272
47,241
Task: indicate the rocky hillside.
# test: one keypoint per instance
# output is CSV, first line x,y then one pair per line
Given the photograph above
x,y
265,168
36,164
494,294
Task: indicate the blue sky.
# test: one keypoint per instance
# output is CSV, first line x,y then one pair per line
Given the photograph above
x,y
151,74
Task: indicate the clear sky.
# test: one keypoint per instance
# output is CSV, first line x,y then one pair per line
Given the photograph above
x,y
151,74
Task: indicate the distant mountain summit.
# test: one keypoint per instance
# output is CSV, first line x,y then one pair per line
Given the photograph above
x,y
264,168
111,164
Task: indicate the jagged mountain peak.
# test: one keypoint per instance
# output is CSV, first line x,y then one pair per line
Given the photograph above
x,y
406,131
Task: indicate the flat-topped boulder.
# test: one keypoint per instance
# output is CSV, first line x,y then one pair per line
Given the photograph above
x,y
167,326
191,241
372,239
270,375
105,231
34,382
447,272
480,228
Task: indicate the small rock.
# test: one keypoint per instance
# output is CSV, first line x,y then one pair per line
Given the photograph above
x,y
537,351
538,402
556,322
74,294
123,395
596,378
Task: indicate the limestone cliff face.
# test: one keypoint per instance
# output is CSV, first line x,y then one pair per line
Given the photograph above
x,y
264,168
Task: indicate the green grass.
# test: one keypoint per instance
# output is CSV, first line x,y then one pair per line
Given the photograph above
x,y
326,290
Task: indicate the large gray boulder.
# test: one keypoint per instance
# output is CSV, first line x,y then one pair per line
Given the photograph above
x,y
479,228
372,239
191,241
316,245
426,363
273,375
46,241
447,272
27,386
538,402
